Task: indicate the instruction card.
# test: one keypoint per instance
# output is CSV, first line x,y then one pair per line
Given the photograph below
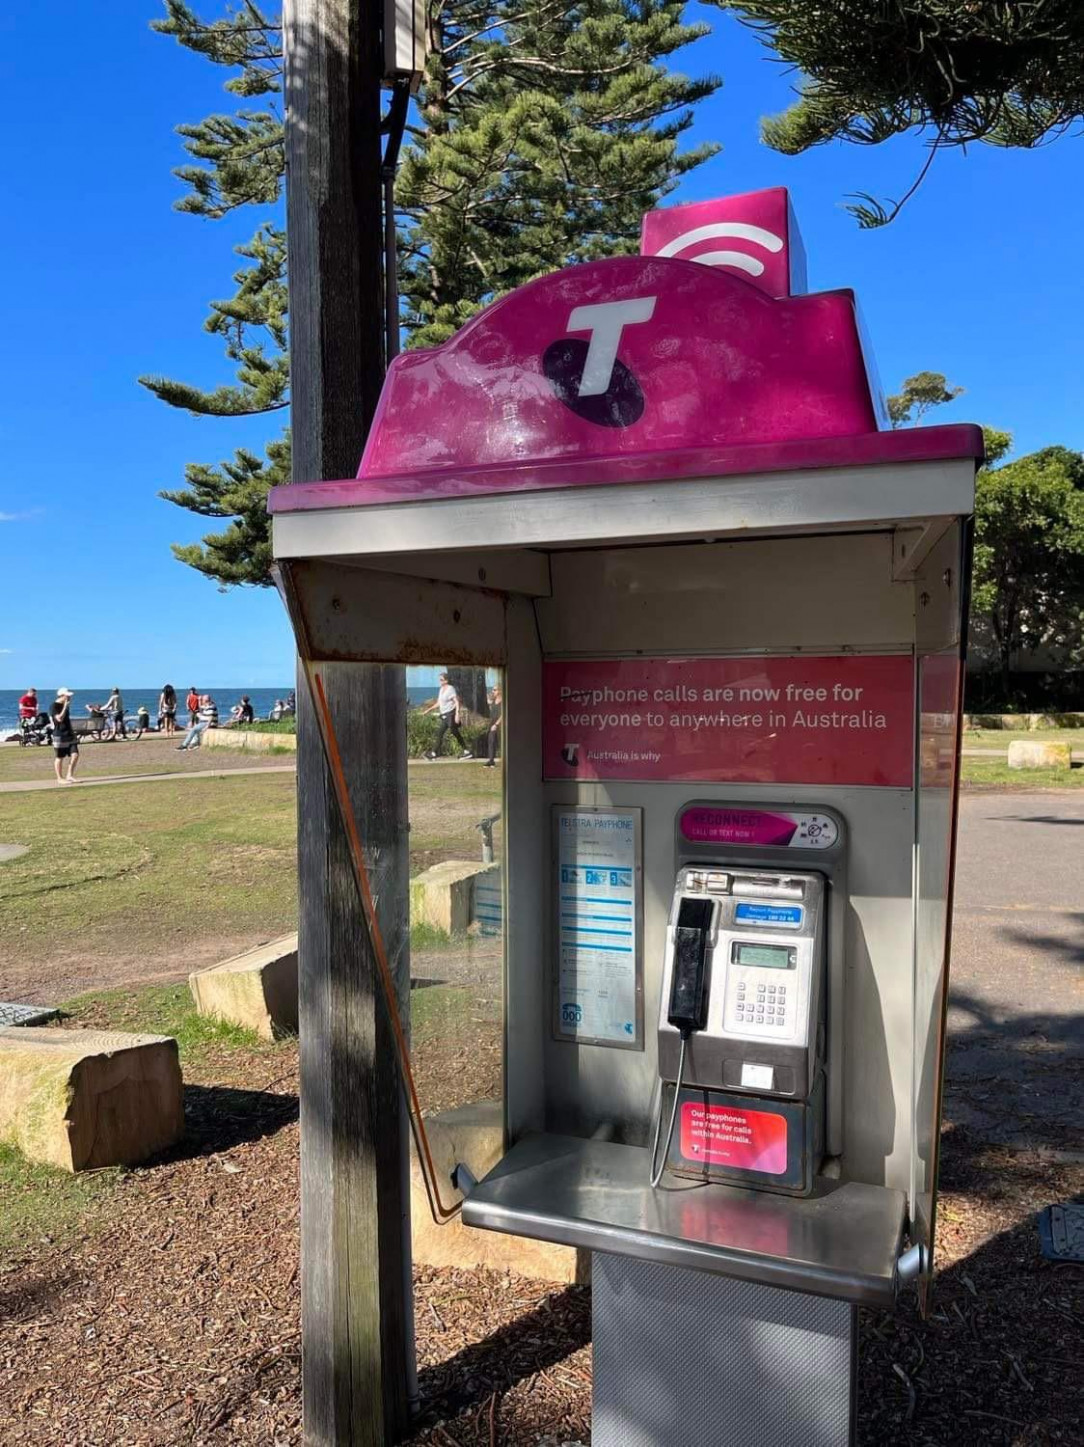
x,y
597,879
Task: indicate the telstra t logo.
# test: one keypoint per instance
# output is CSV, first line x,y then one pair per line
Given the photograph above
x,y
587,375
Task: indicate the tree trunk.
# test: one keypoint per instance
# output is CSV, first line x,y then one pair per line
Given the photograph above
x,y
470,685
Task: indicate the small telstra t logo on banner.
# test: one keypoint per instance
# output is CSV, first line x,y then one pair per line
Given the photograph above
x,y
587,376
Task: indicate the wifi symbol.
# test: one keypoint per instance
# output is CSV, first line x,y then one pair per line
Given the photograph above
x,y
738,231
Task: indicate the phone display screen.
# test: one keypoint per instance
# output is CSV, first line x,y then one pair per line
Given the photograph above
x,y
772,957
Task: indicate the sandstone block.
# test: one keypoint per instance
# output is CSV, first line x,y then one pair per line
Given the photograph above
x,y
245,739
1028,754
474,1135
79,1099
257,989
444,895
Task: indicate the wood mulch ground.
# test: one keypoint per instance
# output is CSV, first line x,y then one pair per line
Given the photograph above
x,y
172,1316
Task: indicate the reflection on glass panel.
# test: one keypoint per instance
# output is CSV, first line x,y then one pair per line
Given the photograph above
x,y
455,778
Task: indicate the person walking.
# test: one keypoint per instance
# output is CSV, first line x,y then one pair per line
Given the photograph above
x,y
191,703
167,710
114,712
65,744
447,705
497,716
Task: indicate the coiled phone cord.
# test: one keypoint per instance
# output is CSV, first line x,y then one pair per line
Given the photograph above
x,y
657,1168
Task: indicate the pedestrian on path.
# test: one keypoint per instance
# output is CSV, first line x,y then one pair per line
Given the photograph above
x,y
497,717
65,744
167,710
191,703
114,712
447,704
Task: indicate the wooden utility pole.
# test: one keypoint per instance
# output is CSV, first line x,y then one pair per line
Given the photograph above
x,y
357,1340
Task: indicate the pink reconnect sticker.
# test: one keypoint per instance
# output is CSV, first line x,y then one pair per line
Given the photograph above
x,y
711,824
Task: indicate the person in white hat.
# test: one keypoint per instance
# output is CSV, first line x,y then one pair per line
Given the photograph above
x,y
65,743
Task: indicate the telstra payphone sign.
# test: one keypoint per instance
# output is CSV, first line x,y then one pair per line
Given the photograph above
x,y
827,720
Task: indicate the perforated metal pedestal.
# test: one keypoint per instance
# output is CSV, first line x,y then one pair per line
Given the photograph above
x,y
685,1358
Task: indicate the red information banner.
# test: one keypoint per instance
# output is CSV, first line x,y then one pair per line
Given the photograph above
x,y
763,720
723,1135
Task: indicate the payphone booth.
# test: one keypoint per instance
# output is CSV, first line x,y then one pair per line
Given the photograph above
x,y
729,609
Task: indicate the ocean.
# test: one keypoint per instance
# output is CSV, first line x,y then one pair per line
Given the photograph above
x,y
263,700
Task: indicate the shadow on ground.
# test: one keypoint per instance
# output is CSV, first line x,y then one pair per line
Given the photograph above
x,y
218,1117
529,1345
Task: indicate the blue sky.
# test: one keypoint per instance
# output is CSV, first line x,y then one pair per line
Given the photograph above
x,y
977,278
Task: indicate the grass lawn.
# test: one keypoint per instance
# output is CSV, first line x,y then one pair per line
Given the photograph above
x,y
42,1204
130,884
1001,738
994,773
446,802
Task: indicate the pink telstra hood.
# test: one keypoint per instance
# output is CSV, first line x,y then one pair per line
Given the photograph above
x,y
637,369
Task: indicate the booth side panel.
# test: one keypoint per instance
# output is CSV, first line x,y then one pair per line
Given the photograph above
x,y
940,685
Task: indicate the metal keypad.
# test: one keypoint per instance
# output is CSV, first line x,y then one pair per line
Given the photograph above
x,y
759,1006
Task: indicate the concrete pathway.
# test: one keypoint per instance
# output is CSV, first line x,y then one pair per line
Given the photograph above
x,y
28,786
1015,1068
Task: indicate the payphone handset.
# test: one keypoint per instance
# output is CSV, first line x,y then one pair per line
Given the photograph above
x,y
741,1025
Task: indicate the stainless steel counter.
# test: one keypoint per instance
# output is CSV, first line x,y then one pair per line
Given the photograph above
x,y
842,1242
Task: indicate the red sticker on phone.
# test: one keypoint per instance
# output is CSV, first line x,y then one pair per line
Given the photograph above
x,y
725,1135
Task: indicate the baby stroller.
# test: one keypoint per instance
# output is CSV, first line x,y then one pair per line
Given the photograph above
x,y
36,730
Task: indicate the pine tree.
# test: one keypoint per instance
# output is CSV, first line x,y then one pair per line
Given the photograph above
x,y
1004,72
549,130
541,134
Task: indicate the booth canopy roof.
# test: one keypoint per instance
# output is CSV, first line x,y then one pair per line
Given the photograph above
x,y
633,369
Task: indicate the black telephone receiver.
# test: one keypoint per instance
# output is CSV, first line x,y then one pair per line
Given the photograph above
x,y
689,988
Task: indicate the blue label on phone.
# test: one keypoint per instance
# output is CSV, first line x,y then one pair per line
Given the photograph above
x,y
784,914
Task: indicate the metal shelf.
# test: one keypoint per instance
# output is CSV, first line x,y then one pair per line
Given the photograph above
x,y
843,1242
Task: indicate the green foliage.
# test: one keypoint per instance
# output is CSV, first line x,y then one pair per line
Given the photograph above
x,y
279,726
1028,580
917,395
543,133
1009,74
426,936
997,443
1029,555
236,490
